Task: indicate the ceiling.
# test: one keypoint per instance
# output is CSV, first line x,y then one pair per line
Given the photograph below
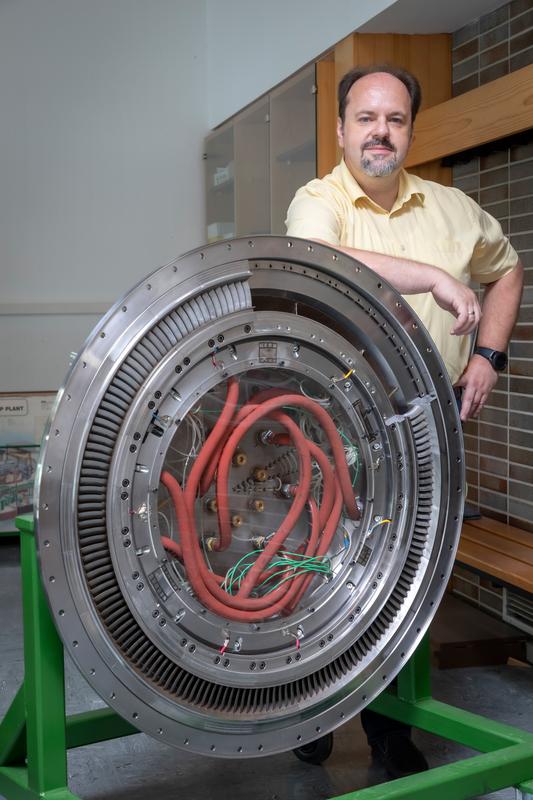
x,y
428,16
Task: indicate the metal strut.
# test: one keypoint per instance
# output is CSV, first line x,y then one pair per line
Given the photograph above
x,y
35,733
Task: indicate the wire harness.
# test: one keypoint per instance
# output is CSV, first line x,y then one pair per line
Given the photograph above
x,y
270,580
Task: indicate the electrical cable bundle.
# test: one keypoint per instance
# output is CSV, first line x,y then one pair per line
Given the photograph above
x,y
235,601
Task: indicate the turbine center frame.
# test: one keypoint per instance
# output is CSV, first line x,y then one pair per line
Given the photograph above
x,y
300,327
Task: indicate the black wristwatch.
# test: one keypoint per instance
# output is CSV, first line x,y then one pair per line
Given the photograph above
x,y
496,358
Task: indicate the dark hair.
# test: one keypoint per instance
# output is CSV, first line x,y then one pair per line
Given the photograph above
x,y
407,78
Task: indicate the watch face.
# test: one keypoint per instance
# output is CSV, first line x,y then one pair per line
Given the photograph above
x,y
499,360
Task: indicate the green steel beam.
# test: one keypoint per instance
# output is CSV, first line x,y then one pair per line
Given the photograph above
x,y
14,786
414,681
13,732
96,726
25,522
44,680
472,730
461,780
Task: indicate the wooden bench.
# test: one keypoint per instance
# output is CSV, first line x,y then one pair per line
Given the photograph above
x,y
499,550
463,636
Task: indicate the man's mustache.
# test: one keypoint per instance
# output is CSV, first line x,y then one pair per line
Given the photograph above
x,y
376,142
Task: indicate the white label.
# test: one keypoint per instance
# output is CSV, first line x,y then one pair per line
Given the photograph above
x,y
13,407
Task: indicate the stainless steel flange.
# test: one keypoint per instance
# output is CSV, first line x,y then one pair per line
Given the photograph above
x,y
141,398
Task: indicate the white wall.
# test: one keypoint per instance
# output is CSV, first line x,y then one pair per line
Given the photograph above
x,y
254,44
104,108
103,112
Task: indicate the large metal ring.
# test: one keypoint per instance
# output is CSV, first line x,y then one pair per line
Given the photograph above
x,y
139,399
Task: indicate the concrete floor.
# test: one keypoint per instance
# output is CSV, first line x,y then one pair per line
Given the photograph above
x,y
138,768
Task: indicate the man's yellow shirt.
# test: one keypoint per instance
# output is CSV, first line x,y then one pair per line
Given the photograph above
x,y
431,223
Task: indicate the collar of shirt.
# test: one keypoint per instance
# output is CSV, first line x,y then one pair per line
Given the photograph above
x,y
410,190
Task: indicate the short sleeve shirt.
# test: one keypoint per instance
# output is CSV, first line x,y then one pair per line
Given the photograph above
x,y
431,223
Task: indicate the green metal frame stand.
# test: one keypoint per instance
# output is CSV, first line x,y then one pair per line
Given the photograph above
x,y
35,733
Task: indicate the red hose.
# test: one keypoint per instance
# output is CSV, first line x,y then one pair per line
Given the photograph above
x,y
216,456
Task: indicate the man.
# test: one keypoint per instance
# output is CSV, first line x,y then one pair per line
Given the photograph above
x,y
428,241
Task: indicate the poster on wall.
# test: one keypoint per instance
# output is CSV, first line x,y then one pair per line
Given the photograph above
x,y
22,422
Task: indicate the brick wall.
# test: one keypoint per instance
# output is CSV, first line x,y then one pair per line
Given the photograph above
x,y
492,46
499,446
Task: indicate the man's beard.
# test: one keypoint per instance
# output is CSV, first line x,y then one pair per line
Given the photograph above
x,y
379,167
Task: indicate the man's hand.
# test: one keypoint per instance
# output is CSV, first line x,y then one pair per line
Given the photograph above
x,y
453,296
477,381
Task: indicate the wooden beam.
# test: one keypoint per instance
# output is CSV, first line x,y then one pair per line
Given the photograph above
x,y
326,113
497,109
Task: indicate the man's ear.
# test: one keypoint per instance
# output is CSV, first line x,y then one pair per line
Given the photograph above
x,y
340,132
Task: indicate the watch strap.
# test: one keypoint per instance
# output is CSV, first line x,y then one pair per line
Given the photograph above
x,y
496,358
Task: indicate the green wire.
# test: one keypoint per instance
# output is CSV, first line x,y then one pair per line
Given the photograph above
x,y
358,460
304,564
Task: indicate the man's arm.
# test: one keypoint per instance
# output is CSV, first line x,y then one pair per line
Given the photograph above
x,y
415,277
501,303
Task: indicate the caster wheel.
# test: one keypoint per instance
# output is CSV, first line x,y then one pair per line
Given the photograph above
x,y
315,752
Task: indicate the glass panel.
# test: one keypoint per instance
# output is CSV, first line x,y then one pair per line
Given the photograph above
x,y
252,178
220,185
292,142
